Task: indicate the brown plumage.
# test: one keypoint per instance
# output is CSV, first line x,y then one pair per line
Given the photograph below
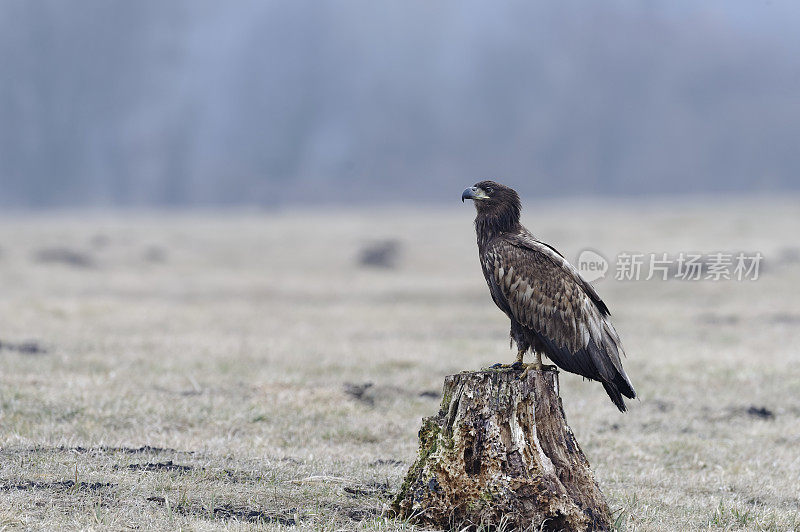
x,y
553,310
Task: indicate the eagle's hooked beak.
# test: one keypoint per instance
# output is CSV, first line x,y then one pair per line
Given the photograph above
x,y
473,193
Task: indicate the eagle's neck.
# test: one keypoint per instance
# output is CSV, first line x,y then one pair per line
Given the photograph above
x,y
492,224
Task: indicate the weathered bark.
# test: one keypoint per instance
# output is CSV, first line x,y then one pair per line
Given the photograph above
x,y
499,452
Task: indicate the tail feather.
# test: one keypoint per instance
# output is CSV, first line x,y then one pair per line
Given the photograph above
x,y
624,386
616,389
615,396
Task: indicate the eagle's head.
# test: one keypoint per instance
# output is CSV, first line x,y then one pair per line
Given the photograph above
x,y
492,198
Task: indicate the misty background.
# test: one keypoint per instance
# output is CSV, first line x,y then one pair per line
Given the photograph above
x,y
267,103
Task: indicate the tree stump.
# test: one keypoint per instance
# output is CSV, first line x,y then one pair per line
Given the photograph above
x,y
500,453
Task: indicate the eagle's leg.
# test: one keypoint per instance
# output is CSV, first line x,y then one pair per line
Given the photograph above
x,y
538,366
517,363
517,337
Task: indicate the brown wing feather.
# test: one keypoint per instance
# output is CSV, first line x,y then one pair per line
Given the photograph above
x,y
537,287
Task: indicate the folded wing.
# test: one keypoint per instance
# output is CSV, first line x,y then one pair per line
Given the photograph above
x,y
537,287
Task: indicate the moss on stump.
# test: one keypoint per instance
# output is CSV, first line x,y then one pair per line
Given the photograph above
x,y
500,453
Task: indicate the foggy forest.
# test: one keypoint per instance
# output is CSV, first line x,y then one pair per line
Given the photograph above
x,y
193,103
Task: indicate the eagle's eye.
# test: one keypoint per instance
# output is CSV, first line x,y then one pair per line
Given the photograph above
x,y
488,190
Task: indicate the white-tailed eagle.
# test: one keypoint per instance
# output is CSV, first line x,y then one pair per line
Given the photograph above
x,y
553,310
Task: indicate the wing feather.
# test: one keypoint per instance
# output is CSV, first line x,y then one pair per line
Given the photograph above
x,y
538,288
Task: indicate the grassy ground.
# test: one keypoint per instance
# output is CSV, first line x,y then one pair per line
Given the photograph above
x,y
202,373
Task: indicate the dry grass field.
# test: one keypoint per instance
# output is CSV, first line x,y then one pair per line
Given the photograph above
x,y
246,372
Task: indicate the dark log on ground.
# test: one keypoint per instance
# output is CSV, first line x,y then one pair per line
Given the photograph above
x,y
500,453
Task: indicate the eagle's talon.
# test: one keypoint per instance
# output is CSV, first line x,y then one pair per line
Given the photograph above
x,y
537,367
500,366
518,365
